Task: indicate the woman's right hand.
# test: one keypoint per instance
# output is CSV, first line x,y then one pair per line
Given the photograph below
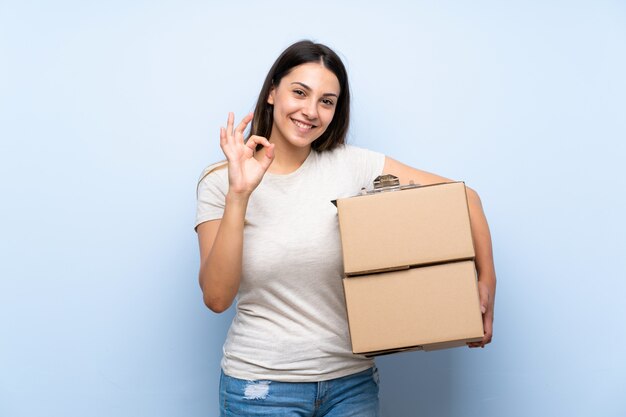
x,y
244,170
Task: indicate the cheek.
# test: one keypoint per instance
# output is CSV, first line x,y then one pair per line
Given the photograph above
x,y
285,106
329,115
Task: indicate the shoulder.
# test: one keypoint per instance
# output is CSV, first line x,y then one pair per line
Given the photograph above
x,y
215,169
214,177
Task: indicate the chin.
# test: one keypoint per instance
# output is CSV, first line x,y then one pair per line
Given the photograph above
x,y
301,142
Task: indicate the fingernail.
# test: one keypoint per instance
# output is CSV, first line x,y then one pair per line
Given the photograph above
x,y
483,309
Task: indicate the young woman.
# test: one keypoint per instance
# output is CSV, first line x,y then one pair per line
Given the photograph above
x,y
268,234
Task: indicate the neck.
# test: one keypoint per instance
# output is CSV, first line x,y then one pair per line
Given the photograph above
x,y
287,161
287,158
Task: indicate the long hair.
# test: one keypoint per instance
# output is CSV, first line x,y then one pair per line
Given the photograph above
x,y
299,53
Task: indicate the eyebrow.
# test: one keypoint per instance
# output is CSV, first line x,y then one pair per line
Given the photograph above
x,y
306,87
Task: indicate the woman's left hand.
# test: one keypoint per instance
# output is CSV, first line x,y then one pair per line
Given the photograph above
x,y
486,308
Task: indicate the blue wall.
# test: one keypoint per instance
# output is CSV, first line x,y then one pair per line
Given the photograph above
x,y
110,110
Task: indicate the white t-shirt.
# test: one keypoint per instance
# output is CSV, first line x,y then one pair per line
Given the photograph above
x,y
290,324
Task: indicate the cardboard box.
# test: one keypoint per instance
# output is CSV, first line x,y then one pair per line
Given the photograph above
x,y
427,308
410,277
397,229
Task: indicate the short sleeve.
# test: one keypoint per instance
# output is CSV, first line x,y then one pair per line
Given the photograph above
x,y
365,165
211,194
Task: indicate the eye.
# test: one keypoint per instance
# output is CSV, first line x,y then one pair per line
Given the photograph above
x,y
298,92
328,102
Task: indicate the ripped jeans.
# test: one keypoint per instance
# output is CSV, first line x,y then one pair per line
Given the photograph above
x,y
352,395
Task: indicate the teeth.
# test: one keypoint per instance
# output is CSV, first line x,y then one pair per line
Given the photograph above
x,y
302,125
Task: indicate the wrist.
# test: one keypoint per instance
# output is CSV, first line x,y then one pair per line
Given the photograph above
x,y
237,198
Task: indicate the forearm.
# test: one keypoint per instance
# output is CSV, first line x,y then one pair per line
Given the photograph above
x,y
220,270
484,266
482,243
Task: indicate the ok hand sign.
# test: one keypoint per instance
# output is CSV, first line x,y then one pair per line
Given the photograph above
x,y
244,170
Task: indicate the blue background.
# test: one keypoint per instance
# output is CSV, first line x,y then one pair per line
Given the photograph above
x,y
110,110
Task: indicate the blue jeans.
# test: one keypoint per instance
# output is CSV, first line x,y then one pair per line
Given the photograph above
x,y
352,395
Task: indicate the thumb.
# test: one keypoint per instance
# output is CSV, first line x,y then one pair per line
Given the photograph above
x,y
483,293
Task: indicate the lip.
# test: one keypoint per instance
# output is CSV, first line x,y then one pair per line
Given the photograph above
x,y
303,126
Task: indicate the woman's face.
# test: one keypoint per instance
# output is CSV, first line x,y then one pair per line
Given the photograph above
x,y
304,104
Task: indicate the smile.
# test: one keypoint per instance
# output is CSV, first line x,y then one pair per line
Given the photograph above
x,y
302,125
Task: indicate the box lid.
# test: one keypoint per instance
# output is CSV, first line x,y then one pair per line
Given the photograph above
x,y
408,227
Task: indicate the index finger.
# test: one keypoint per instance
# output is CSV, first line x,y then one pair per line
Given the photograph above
x,y
229,122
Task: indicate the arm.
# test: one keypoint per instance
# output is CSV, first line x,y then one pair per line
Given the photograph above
x,y
221,247
480,235
221,241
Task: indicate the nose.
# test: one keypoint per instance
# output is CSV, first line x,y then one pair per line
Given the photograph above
x,y
310,109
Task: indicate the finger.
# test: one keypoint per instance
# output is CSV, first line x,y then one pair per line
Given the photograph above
x,y
483,292
229,124
226,146
224,141
487,332
255,140
244,122
268,158
475,344
488,326
487,314
242,125
222,137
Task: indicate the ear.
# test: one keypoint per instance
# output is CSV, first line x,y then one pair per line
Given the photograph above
x,y
270,98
